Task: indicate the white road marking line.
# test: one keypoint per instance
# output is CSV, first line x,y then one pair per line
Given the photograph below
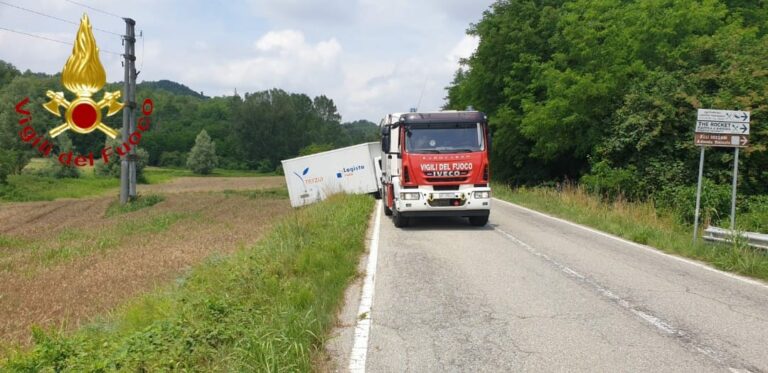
x,y
363,327
644,247
655,321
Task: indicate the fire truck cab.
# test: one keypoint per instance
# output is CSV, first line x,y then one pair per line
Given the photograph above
x,y
435,164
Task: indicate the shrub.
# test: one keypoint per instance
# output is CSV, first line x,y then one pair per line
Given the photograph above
x,y
754,218
229,163
112,169
57,169
265,166
610,182
202,158
173,159
681,201
315,148
6,165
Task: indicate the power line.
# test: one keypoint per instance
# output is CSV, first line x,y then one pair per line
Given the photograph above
x,y
53,40
54,17
94,9
141,35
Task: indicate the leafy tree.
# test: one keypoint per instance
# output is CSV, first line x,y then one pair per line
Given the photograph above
x,y
609,89
314,149
113,167
202,157
58,169
254,131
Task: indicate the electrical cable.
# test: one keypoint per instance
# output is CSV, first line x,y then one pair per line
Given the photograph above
x,y
141,35
94,9
53,40
54,17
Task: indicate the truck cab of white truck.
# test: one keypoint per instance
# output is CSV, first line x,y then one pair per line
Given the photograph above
x,y
435,164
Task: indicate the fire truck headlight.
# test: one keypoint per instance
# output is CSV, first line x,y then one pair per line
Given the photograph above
x,y
483,195
410,196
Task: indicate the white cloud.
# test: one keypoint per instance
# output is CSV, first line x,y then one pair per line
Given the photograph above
x,y
283,59
464,49
370,56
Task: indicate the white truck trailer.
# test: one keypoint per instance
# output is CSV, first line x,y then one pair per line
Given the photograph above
x,y
354,169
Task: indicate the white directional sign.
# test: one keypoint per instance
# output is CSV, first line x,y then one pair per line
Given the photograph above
x,y
723,122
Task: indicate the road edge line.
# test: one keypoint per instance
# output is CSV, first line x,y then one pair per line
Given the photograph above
x,y
363,327
644,247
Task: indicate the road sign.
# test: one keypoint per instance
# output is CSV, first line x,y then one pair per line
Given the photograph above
x,y
722,127
728,141
723,121
723,115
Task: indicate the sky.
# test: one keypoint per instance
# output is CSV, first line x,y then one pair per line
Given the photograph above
x,y
372,57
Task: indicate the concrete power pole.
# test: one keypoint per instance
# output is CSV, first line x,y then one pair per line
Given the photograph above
x,y
128,162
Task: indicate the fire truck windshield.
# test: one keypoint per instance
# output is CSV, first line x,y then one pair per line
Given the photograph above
x,y
435,138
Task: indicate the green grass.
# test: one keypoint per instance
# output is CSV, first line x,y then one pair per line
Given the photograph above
x,y
32,186
269,193
156,175
25,187
115,208
638,222
74,242
266,308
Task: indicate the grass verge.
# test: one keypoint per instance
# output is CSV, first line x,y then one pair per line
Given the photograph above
x,y
30,186
24,188
157,175
269,193
637,222
115,208
267,308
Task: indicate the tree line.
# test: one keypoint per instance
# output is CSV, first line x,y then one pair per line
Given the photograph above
x,y
606,91
251,132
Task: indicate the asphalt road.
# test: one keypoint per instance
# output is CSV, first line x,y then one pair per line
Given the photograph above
x,y
531,293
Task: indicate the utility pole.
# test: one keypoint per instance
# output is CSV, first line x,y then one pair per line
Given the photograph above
x,y
132,122
128,161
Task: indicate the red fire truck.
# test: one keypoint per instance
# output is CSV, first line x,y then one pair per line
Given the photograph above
x,y
436,164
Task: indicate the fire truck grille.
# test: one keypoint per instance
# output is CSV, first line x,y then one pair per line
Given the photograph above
x,y
446,179
446,202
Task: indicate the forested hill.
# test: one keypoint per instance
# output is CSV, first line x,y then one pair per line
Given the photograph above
x,y
172,87
253,131
606,91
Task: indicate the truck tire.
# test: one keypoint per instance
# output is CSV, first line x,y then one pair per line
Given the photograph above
x,y
387,210
478,221
400,220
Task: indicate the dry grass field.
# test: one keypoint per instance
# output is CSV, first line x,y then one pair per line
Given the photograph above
x,y
65,261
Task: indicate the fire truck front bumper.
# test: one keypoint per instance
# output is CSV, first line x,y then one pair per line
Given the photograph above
x,y
429,203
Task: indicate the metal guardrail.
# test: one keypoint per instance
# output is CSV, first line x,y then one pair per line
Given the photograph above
x,y
716,234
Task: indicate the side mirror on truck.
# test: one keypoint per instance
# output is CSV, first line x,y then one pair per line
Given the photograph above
x,y
385,144
385,139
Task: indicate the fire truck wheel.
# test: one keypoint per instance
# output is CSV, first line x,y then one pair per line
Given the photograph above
x,y
399,220
387,210
478,221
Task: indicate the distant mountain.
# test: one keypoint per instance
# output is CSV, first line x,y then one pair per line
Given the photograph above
x,y
172,87
361,131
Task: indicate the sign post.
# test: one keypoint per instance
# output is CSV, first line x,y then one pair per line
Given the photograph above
x,y
698,197
733,193
720,128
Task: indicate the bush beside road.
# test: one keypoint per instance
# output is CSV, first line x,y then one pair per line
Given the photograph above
x,y
265,308
639,222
